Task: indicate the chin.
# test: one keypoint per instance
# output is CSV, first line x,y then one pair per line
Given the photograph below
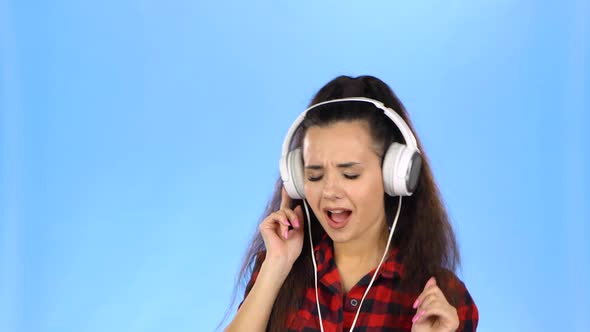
x,y
338,236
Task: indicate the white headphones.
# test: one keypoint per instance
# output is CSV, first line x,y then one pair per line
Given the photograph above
x,y
401,164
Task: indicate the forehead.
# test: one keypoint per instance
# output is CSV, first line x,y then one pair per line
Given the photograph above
x,y
338,142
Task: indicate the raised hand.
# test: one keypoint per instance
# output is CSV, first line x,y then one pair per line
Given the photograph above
x,y
283,245
433,311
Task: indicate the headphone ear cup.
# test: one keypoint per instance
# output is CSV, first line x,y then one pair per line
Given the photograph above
x,y
390,165
295,169
411,164
401,169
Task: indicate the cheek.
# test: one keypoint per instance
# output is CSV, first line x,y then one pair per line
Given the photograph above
x,y
312,191
313,196
369,193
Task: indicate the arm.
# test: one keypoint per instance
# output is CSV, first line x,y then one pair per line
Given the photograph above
x,y
255,311
283,246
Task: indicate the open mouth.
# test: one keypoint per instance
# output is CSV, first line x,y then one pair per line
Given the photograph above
x,y
338,216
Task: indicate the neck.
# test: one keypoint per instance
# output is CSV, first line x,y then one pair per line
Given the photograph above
x,y
362,252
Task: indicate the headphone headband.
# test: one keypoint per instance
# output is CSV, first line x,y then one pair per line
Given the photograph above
x,y
409,137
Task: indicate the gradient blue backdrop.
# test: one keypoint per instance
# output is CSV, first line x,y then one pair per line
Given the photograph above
x,y
139,142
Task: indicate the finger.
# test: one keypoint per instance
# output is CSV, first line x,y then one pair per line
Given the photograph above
x,y
446,316
295,233
293,219
429,288
281,217
277,222
285,199
427,302
431,302
431,291
299,213
287,217
284,224
431,282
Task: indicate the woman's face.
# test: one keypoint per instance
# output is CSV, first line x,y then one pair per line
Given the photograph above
x,y
343,180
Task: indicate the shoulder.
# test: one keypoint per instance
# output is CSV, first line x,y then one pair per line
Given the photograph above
x,y
458,296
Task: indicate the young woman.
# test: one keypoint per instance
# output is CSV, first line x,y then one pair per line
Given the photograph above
x,y
376,251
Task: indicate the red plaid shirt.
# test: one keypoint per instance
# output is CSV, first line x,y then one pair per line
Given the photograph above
x,y
385,308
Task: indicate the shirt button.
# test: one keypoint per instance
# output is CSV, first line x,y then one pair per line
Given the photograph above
x,y
354,302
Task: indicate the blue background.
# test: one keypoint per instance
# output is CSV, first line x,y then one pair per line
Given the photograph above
x,y
139,143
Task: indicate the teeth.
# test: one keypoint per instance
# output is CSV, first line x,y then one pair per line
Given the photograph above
x,y
336,211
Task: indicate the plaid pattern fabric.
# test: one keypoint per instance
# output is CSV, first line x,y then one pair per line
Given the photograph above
x,y
385,308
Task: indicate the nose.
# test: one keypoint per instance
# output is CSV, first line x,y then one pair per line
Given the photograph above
x,y
332,188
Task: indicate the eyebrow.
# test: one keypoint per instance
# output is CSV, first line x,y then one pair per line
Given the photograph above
x,y
343,165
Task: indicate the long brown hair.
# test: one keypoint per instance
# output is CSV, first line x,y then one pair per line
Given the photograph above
x,y
423,235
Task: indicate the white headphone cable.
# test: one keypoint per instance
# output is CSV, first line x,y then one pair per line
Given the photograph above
x,y
399,207
315,268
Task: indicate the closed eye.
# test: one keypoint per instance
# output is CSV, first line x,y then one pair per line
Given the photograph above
x,y
347,176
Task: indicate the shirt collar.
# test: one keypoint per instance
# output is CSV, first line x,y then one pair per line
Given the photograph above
x,y
391,268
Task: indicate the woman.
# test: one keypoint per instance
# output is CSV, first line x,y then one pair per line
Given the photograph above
x,y
379,263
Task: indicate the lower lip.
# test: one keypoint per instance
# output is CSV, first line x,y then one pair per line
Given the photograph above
x,y
336,225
